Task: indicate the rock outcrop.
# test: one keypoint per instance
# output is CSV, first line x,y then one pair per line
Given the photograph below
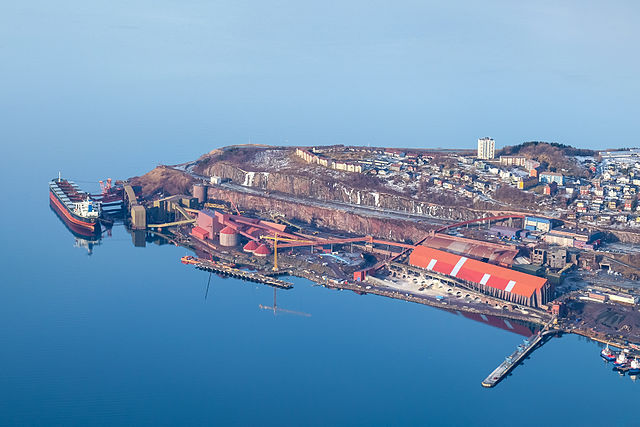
x,y
335,219
164,180
331,190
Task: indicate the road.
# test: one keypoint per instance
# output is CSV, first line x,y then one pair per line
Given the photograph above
x,y
330,204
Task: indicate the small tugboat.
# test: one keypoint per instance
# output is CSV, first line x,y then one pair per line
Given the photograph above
x,y
607,354
621,360
634,368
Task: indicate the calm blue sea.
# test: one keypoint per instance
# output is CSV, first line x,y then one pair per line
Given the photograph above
x,y
130,336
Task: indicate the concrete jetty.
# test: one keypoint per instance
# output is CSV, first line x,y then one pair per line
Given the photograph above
x,y
515,358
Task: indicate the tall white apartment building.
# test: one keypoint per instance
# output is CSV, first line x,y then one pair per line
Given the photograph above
x,y
486,148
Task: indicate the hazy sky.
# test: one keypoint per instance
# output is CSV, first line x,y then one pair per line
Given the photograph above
x,y
168,80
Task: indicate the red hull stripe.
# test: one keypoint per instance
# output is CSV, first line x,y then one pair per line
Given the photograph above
x,y
65,212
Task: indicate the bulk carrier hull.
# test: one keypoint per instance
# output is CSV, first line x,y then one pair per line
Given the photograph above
x,y
78,232
83,228
62,197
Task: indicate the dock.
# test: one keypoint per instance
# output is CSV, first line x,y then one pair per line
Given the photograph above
x,y
250,276
515,358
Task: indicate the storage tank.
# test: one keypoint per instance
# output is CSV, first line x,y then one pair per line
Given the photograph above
x,y
262,251
228,237
200,192
251,246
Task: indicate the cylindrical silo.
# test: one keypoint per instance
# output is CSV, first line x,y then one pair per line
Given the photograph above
x,y
228,237
200,192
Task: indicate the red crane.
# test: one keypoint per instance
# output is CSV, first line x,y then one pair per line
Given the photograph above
x,y
105,186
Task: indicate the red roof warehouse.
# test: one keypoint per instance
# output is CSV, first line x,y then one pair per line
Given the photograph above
x,y
491,279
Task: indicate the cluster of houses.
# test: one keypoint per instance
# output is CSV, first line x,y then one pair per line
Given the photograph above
x,y
322,160
374,161
611,197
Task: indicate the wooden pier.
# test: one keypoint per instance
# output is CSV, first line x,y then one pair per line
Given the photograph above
x,y
241,274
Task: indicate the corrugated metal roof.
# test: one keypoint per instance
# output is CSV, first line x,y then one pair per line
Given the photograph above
x,y
275,225
498,253
475,271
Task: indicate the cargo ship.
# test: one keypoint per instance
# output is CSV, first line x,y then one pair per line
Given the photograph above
x,y
75,207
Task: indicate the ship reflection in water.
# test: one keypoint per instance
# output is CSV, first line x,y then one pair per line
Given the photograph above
x,y
83,238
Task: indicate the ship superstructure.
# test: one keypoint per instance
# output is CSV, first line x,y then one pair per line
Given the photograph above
x,y
621,360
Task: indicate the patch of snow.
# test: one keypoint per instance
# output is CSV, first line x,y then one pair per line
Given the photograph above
x,y
248,179
376,197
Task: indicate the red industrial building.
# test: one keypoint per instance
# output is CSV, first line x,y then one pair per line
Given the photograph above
x,y
500,282
200,233
206,225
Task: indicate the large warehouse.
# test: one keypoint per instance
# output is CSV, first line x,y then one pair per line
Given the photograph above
x,y
490,279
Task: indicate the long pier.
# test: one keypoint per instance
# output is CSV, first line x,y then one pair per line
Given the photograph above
x,y
241,274
515,358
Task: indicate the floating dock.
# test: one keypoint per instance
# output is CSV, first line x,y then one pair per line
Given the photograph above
x,y
515,358
250,276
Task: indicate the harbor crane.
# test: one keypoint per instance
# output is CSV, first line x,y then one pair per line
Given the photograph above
x,y
235,207
275,239
105,186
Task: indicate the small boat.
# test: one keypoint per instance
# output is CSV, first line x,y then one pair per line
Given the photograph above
x,y
634,368
607,354
188,259
621,360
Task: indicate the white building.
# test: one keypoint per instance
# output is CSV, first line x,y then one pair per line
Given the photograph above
x,y
486,148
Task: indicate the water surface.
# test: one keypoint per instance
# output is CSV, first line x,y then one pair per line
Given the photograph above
x,y
126,336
